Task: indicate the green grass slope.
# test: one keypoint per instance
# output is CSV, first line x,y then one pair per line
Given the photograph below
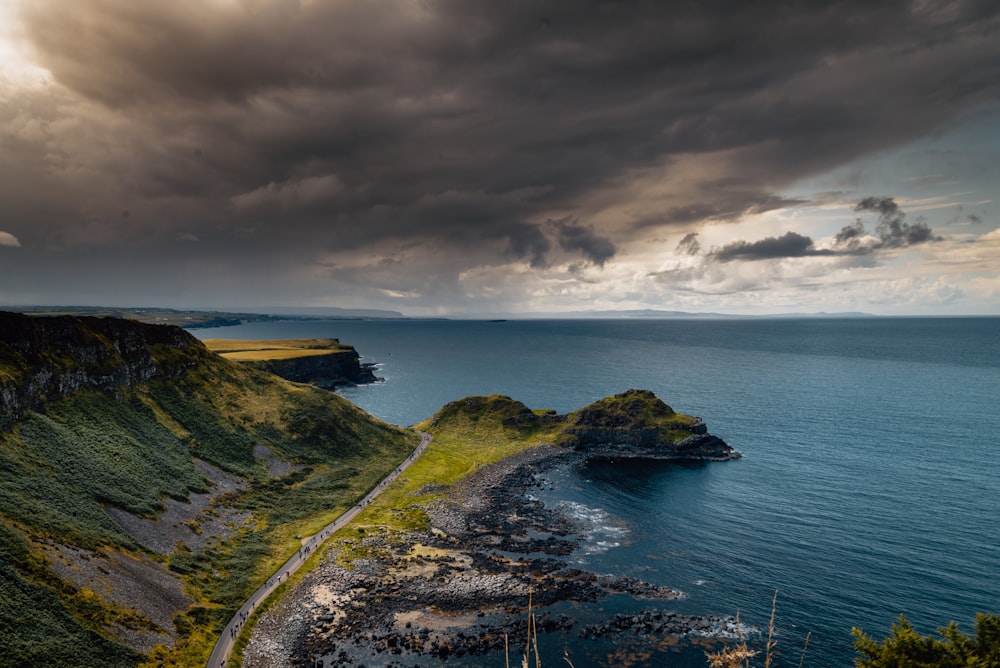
x,y
68,455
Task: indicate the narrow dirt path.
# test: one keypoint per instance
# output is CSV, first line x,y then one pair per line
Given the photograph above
x,y
224,646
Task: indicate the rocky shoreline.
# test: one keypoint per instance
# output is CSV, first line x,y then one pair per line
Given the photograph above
x,y
463,588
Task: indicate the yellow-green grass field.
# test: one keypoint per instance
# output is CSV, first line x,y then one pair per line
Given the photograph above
x,y
260,351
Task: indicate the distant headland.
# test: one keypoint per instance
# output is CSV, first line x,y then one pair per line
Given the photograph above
x,y
326,363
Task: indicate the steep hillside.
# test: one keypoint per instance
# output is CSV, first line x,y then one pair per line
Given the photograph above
x,y
147,485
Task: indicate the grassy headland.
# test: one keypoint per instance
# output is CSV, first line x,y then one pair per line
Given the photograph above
x,y
326,363
476,431
468,434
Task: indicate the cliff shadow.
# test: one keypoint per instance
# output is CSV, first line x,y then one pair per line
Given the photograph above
x,y
634,475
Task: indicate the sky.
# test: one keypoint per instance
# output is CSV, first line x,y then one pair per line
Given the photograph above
x,y
440,157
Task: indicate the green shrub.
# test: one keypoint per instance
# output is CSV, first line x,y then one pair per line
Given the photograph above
x,y
953,649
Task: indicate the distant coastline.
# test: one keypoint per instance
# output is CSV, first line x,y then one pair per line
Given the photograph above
x,y
197,319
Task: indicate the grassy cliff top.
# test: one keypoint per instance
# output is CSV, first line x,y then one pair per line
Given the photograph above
x,y
634,409
258,351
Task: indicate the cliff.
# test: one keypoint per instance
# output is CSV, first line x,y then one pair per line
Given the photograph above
x,y
329,371
42,359
638,424
326,363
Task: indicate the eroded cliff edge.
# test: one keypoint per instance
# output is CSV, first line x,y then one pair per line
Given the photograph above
x,y
42,359
325,363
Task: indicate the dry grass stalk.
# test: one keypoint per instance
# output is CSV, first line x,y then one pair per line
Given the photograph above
x,y
736,656
527,641
769,654
804,648
533,625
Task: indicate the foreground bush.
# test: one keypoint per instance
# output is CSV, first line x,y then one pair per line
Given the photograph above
x,y
906,647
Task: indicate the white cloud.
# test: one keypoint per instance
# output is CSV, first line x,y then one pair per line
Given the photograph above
x,y
8,239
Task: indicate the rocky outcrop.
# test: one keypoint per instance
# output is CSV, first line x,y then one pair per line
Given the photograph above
x,y
335,369
647,445
44,358
638,424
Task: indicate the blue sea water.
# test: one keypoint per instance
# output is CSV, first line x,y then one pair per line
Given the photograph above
x,y
869,482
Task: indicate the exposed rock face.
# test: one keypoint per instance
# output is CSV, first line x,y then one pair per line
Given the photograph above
x,y
646,446
327,371
43,358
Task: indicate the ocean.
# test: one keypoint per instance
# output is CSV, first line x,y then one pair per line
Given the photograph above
x,y
868,485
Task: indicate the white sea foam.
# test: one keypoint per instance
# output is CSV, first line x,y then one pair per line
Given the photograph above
x,y
727,629
598,528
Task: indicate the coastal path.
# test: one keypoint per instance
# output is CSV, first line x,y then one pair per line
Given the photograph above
x,y
224,646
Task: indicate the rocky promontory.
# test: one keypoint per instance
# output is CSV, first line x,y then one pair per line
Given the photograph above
x,y
633,424
638,424
325,363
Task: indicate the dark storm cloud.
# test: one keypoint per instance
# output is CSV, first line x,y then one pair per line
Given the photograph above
x,y
730,200
885,207
463,124
790,244
892,231
850,234
575,237
467,223
527,241
689,244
